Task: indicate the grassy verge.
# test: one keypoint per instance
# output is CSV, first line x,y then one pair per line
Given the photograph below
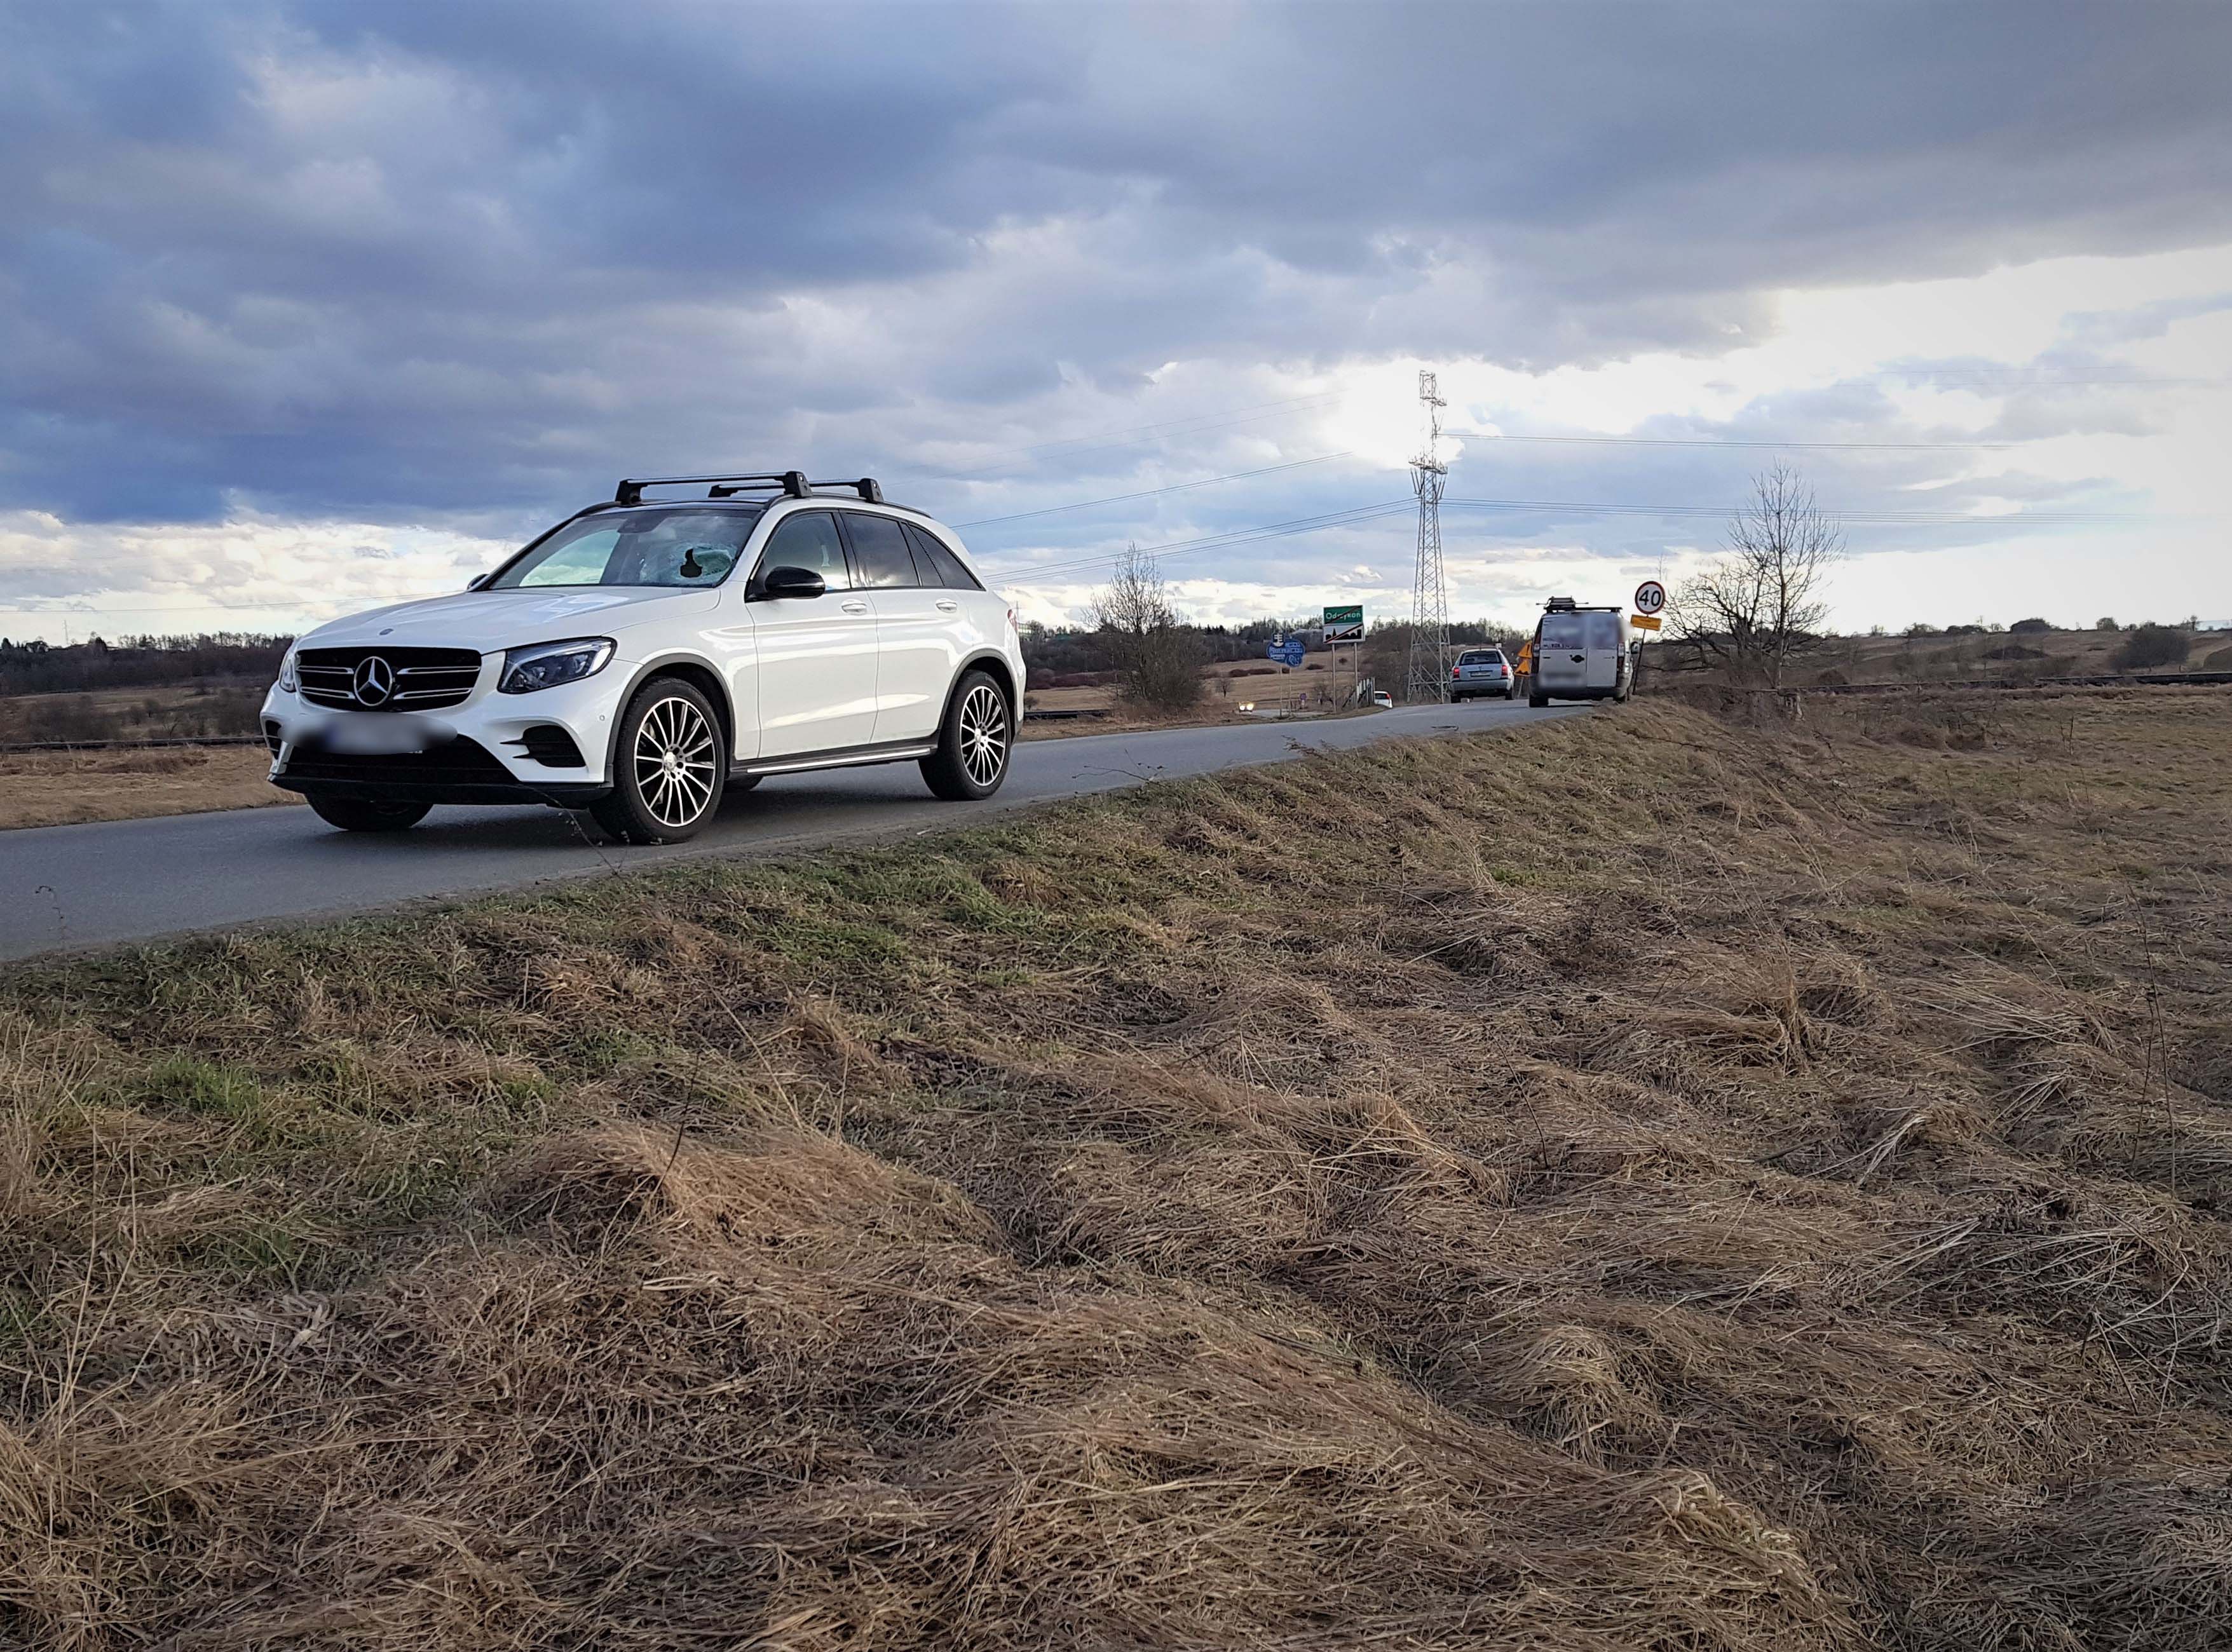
x,y
1642,1183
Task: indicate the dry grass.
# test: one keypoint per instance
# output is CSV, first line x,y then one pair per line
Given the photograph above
x,y
1769,1197
1989,657
59,788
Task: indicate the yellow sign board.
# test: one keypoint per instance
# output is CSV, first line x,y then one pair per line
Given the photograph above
x,y
1644,622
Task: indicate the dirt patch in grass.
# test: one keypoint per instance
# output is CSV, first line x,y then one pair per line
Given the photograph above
x,y
61,788
1640,1182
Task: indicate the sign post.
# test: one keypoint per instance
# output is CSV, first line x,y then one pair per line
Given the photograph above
x,y
1346,625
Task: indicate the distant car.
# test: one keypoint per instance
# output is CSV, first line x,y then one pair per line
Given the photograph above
x,y
1381,698
643,657
1480,672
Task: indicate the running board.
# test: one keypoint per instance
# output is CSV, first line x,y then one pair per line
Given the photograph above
x,y
851,758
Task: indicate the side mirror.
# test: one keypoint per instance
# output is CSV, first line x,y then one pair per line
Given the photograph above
x,y
780,582
480,580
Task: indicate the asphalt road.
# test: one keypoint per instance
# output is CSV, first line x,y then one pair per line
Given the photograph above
x,y
78,886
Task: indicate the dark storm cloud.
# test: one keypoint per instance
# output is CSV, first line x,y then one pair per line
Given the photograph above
x,y
394,262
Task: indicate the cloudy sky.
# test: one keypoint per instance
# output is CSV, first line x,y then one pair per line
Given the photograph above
x,y
307,306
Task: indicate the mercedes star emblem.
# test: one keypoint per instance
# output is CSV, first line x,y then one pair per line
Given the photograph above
x,y
375,681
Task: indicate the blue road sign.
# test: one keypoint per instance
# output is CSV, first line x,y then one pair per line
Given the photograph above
x,y
1289,652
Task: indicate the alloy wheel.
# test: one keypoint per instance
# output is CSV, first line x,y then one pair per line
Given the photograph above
x,y
984,734
674,753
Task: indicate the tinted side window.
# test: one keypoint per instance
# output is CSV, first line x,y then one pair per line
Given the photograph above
x,y
880,545
809,540
929,551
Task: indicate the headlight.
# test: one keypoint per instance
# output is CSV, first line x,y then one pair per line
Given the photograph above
x,y
546,665
287,680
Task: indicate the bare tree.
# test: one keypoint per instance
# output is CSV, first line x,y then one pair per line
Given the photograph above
x,y
1160,659
1751,610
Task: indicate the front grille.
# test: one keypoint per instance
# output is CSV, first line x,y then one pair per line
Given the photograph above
x,y
424,679
455,762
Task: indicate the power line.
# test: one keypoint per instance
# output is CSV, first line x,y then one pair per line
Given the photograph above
x,y
1194,426
1040,575
1136,430
2043,378
1707,440
1150,493
2056,519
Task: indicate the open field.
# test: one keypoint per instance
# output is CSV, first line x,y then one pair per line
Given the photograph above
x,y
60,787
2014,657
188,710
1651,1183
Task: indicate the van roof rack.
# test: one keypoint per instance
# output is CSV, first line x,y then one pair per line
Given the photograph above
x,y
1559,604
790,482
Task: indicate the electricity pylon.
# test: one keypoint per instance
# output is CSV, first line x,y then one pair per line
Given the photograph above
x,y
1430,594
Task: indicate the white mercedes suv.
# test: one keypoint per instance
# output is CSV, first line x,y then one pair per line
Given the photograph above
x,y
645,656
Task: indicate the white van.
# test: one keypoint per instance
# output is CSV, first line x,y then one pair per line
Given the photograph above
x,y
1579,654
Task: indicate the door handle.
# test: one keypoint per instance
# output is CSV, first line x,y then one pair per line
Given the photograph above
x,y
853,607
947,605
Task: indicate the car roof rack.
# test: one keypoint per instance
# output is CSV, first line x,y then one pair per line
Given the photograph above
x,y
790,482
866,487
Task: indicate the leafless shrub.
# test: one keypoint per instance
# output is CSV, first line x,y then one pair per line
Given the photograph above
x,y
1750,610
1160,660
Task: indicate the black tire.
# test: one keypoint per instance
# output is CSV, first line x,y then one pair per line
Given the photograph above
x,y
974,741
369,813
670,765
1538,701
1511,693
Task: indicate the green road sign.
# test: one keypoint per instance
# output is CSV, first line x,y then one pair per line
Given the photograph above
x,y
1343,624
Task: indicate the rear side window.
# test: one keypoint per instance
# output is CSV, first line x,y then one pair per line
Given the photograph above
x,y
808,540
933,553
880,547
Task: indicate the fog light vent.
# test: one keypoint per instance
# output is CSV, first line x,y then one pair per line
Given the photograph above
x,y
550,746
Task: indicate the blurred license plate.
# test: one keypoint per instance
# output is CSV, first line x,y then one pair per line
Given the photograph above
x,y
376,737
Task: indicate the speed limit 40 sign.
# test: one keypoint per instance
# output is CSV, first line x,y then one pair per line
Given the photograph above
x,y
1650,597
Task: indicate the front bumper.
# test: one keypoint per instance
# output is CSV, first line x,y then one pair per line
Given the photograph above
x,y
549,747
